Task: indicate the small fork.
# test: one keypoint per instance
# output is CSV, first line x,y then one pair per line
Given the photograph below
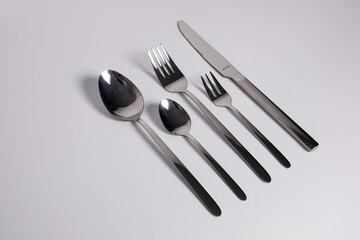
x,y
172,79
221,98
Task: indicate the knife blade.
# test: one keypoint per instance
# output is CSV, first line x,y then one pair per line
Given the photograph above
x,y
226,69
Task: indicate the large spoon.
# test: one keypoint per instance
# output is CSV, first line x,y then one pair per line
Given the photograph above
x,y
124,100
177,121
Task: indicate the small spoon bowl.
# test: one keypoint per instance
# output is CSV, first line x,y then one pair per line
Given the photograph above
x,y
175,119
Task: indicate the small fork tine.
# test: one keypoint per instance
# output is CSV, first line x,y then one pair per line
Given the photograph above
x,y
216,92
221,89
211,96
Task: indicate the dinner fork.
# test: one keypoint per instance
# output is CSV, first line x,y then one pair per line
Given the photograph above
x,y
221,98
172,79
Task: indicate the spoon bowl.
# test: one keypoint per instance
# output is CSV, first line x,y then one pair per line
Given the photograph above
x,y
175,119
120,96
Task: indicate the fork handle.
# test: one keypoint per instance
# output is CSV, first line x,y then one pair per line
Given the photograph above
x,y
267,144
218,168
284,120
254,165
199,190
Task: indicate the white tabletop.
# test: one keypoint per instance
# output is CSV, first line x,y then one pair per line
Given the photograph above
x,y
68,170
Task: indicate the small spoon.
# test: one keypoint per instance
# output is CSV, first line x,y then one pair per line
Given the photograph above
x,y
124,100
177,121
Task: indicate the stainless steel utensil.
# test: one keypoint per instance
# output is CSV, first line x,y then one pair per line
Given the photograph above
x,y
225,69
124,101
177,121
221,98
172,79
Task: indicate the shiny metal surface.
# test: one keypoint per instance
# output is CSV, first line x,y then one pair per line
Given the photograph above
x,y
226,69
177,121
124,100
172,79
221,98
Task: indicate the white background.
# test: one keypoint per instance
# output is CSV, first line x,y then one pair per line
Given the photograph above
x,y
68,170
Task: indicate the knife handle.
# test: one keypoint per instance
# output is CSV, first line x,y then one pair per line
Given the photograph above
x,y
284,120
198,189
254,165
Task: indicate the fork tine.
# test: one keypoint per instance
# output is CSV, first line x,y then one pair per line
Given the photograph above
x,y
220,88
210,94
158,72
169,59
161,67
165,52
212,86
165,57
153,52
164,62
152,60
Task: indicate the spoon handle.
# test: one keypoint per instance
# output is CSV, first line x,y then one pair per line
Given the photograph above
x,y
217,167
267,144
199,190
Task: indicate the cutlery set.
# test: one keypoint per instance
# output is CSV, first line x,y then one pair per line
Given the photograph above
x,y
125,101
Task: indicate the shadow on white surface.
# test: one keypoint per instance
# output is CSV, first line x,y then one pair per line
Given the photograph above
x,y
142,61
90,88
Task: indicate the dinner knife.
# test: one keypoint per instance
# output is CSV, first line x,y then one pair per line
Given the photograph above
x,y
226,69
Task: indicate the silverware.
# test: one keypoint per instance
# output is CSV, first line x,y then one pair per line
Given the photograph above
x,y
221,98
225,69
124,100
172,79
177,121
